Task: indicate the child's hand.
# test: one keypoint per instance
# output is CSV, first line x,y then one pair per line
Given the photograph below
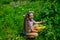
x,y
44,21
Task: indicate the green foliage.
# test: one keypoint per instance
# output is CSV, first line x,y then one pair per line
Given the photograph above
x,y
11,19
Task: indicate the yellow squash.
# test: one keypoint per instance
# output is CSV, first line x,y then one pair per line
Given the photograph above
x,y
41,28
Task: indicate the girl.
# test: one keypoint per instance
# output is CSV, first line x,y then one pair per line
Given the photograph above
x,y
29,27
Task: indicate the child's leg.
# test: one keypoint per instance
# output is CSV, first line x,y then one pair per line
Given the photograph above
x,y
36,28
32,35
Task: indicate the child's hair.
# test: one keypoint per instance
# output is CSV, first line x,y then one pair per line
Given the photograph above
x,y
27,19
28,13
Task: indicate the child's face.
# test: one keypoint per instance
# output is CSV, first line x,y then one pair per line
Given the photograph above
x,y
31,15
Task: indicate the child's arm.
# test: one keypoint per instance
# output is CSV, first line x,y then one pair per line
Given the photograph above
x,y
39,22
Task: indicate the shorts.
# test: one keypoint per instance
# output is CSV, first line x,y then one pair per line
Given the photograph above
x,y
25,33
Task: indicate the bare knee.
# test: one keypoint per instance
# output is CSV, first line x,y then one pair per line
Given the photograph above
x,y
33,34
36,34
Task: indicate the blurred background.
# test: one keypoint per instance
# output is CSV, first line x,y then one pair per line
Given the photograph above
x,y
11,18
